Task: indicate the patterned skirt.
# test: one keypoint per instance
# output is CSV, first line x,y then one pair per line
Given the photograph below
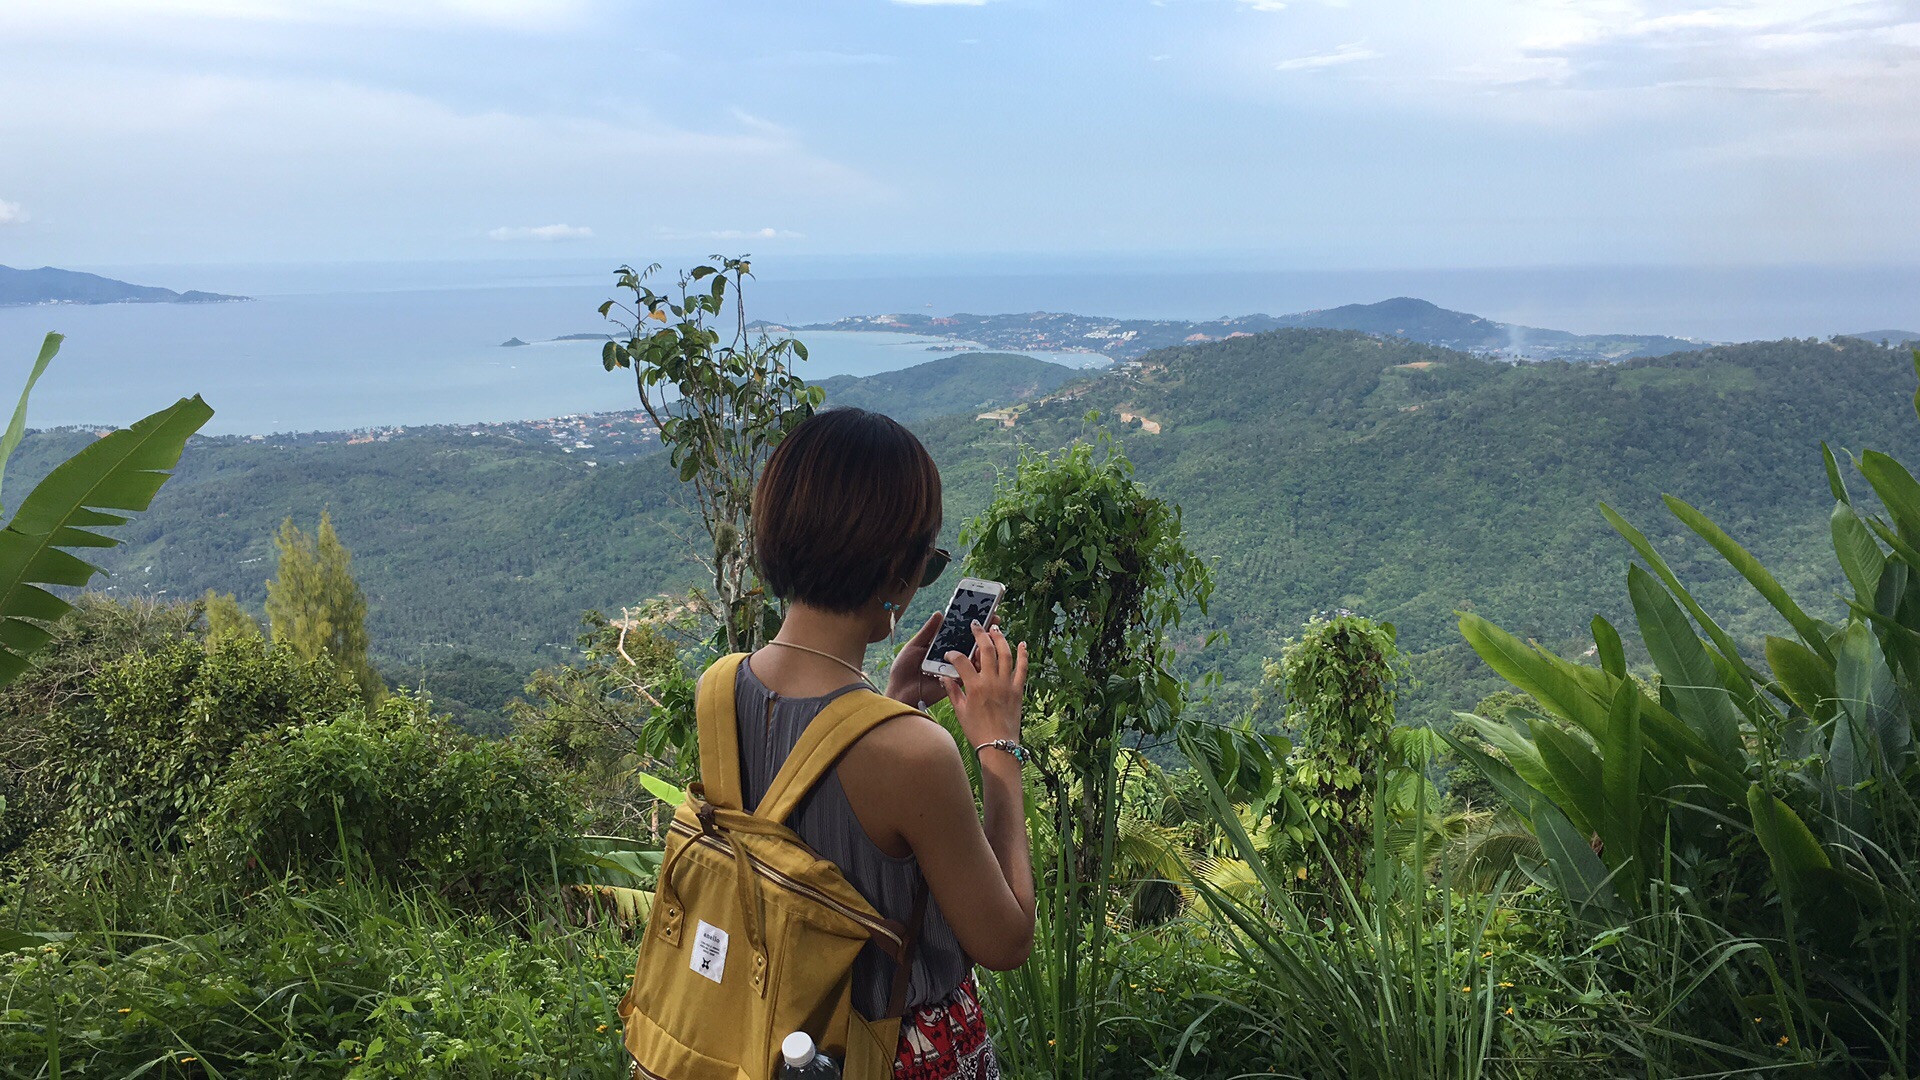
x,y
947,1040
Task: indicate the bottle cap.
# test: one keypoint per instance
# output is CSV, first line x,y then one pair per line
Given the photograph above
x,y
797,1048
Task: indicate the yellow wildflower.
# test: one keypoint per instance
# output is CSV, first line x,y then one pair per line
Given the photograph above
x,y
1782,1042
1509,1011
124,1012
1506,986
185,1060
1466,989
602,1029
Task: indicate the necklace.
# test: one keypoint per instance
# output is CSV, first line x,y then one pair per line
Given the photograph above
x,y
828,655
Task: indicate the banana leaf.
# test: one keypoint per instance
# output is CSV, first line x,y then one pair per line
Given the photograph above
x,y
120,472
1807,679
1701,699
1860,556
1518,793
1899,492
1579,873
17,427
1621,756
1763,582
1638,540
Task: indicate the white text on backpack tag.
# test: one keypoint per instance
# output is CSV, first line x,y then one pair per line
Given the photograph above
x,y
709,951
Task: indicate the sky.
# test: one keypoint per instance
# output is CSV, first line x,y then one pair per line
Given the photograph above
x,y
1306,133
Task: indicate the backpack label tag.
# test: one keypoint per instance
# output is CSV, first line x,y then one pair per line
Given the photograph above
x,y
709,954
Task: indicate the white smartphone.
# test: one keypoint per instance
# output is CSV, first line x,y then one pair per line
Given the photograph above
x,y
974,601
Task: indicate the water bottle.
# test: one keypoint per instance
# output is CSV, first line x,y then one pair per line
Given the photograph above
x,y
803,1061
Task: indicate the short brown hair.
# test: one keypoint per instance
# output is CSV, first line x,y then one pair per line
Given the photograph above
x,y
848,505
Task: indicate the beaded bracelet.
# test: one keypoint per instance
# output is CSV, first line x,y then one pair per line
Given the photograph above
x,y
1020,753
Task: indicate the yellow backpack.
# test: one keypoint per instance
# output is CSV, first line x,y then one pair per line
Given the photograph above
x,y
752,936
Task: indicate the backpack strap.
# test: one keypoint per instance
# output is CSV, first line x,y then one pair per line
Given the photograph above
x,y
828,736
719,735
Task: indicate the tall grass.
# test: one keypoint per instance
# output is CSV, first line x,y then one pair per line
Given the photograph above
x,y
169,974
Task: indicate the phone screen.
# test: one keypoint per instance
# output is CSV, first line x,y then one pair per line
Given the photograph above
x,y
956,630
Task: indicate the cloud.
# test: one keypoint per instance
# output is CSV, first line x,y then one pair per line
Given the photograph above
x,y
11,213
543,233
1351,53
733,234
120,15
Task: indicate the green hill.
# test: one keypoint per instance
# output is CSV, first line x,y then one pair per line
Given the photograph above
x,y
1421,320
51,285
955,384
1319,469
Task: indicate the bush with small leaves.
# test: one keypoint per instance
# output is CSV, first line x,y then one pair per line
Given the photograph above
x,y
402,794
143,752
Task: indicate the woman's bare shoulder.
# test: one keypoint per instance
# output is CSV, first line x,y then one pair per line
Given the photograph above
x,y
908,742
900,770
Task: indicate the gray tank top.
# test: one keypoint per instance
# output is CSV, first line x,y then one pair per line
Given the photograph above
x,y
769,726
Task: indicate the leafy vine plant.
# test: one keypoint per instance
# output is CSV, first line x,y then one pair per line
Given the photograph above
x,y
720,408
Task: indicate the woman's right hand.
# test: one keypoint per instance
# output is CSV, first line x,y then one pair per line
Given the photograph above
x,y
987,695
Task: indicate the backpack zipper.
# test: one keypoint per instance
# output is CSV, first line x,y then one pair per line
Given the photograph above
x,y
874,926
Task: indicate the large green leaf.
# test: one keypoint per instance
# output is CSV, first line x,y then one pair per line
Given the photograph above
x,y
659,788
1577,767
1834,483
1621,755
17,427
1583,695
21,940
1606,642
1898,491
1860,555
1763,582
1812,887
1580,874
120,472
1518,793
1807,679
1874,736
1721,639
1700,698
1549,679
1523,757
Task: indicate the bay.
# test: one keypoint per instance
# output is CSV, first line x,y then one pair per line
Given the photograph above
x,y
351,360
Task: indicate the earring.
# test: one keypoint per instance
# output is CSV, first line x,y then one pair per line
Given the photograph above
x,y
893,617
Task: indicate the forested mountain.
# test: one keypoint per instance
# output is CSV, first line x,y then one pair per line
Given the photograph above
x,y
1887,337
951,385
51,285
1402,316
1424,321
1318,469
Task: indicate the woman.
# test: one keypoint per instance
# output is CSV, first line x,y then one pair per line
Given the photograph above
x,y
846,513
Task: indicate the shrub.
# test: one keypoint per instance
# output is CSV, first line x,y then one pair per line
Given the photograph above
x,y
142,753
97,632
416,800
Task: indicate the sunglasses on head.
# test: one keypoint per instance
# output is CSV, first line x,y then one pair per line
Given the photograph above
x,y
936,565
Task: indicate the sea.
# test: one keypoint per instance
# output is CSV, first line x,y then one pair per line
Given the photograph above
x,y
329,347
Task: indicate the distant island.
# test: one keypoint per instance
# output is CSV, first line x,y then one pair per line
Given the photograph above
x,y
1887,337
1402,317
514,342
51,285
